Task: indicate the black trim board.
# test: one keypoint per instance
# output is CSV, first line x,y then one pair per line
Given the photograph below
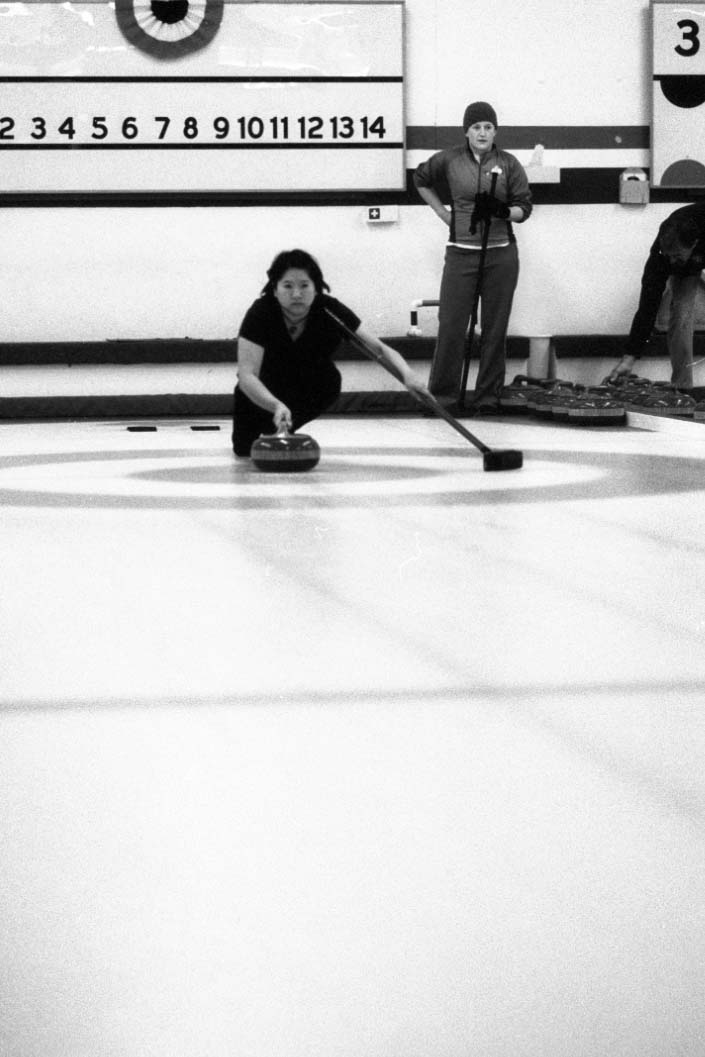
x,y
589,346
173,351
187,405
181,405
526,137
578,186
153,350
187,350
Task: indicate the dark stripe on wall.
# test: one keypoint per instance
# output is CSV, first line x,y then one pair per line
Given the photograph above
x,y
584,186
190,350
601,186
127,352
151,351
578,186
525,137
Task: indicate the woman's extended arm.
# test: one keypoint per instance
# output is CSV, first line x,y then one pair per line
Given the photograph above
x,y
394,360
249,359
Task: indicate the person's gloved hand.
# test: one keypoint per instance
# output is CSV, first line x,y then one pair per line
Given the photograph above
x,y
486,207
496,207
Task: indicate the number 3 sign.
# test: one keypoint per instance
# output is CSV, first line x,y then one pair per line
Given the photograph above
x,y
678,112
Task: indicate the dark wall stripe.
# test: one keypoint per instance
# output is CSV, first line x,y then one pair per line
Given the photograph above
x,y
578,186
584,186
598,186
525,137
149,351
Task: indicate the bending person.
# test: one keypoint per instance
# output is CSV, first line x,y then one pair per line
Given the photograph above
x,y
286,373
677,256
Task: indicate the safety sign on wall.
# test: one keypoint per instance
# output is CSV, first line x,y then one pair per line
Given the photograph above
x,y
678,113
201,96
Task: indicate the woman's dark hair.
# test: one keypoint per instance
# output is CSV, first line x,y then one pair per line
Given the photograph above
x,y
295,259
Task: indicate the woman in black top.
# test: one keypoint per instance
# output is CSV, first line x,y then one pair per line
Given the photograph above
x,y
286,373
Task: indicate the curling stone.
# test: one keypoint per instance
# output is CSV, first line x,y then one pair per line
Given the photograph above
x,y
563,398
540,399
673,404
637,395
541,404
514,398
597,406
285,452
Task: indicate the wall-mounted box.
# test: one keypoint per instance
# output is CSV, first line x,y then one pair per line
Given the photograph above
x,y
633,188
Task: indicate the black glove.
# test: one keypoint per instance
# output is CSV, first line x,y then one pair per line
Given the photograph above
x,y
486,207
495,207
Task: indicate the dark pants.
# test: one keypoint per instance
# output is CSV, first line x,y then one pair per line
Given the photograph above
x,y
250,421
685,292
460,273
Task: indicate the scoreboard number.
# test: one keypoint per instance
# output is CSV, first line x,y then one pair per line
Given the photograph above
x,y
678,95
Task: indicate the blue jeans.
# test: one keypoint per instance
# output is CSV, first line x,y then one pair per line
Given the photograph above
x,y
460,273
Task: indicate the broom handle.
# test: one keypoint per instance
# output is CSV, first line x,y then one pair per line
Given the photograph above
x,y
476,298
427,398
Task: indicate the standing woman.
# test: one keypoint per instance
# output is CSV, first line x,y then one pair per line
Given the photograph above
x,y
466,171
286,374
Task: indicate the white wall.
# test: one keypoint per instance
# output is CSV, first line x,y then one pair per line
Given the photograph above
x,y
543,62
94,273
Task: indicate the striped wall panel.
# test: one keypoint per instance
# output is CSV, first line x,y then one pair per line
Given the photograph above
x,y
590,159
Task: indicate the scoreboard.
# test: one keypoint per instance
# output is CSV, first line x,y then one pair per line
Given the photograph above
x,y
201,95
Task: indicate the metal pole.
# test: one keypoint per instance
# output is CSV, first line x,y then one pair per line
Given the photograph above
x,y
476,302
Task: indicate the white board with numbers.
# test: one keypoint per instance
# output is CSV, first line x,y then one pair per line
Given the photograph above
x,y
200,96
678,112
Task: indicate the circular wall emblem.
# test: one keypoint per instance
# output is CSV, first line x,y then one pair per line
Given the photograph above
x,y
169,29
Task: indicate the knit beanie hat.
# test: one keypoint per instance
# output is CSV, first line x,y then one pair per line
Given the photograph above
x,y
478,112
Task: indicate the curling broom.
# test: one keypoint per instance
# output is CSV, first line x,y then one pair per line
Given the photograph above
x,y
492,458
